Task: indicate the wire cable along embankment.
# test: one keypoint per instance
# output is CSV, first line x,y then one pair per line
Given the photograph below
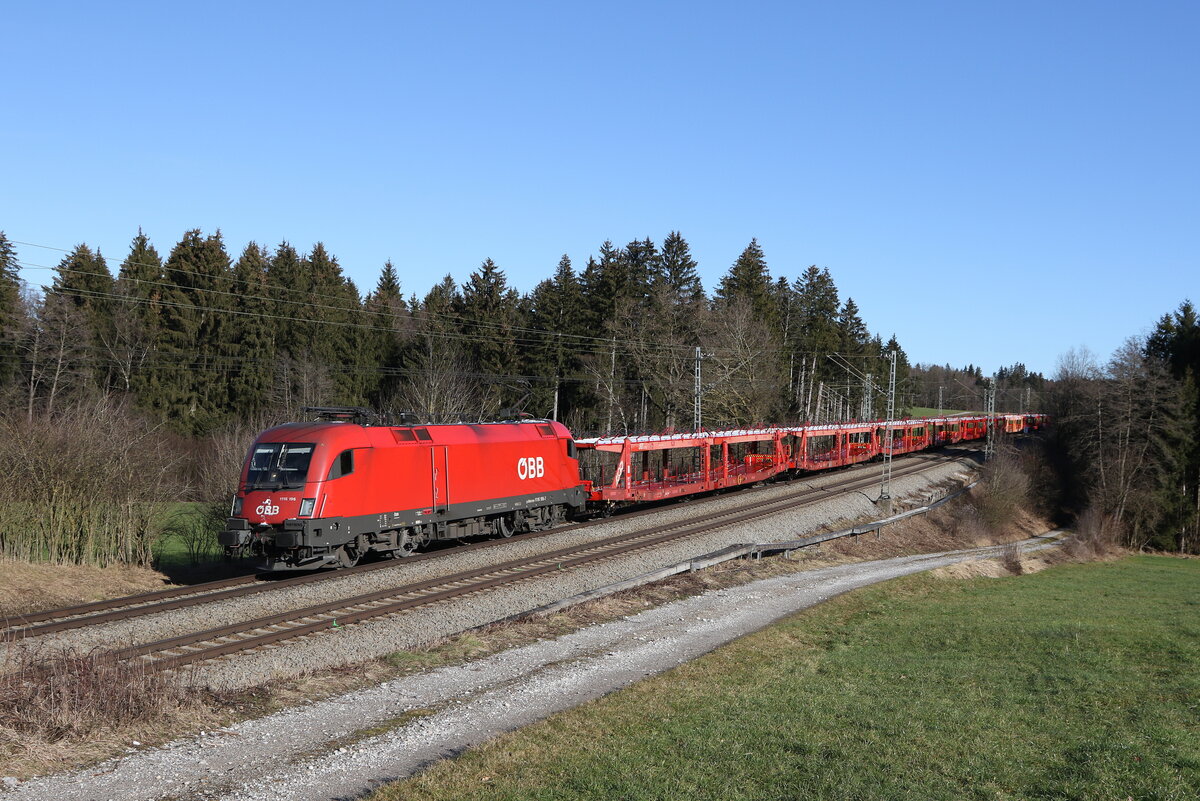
x,y
266,631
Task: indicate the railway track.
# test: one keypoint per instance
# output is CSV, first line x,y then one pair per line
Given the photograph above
x,y
117,609
268,631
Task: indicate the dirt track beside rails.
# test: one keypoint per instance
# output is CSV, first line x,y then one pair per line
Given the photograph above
x,y
312,752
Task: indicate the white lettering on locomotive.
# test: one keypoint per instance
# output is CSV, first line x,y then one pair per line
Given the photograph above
x,y
531,467
266,508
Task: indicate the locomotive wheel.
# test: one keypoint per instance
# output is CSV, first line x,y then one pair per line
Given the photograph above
x,y
551,517
408,545
347,556
504,526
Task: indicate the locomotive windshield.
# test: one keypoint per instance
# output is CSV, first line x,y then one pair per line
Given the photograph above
x,y
279,465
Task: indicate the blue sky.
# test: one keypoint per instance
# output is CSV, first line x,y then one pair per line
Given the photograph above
x,y
992,182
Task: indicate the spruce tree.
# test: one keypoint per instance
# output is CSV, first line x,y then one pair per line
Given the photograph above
x,y
329,309
606,283
356,341
785,307
553,311
290,286
388,286
488,310
817,312
749,280
643,267
190,385
853,331
679,270
385,315
250,348
1175,342
82,281
10,311
137,326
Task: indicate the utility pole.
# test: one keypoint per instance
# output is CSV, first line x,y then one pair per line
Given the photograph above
x,y
885,486
989,449
808,407
557,372
940,406
612,387
696,403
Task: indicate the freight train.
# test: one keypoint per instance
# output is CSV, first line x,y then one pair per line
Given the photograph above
x,y
327,493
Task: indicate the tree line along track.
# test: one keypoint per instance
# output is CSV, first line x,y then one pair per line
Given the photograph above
x,y
117,609
261,632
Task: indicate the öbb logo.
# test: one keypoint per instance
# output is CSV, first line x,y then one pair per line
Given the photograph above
x,y
266,508
531,467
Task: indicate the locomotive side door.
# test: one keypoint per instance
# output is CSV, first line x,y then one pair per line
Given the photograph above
x,y
439,456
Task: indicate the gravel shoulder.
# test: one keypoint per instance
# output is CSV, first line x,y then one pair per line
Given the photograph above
x,y
346,746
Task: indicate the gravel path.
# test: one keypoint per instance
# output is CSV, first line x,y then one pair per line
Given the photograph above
x,y
308,753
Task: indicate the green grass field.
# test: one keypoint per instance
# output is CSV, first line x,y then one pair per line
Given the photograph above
x,y
1079,682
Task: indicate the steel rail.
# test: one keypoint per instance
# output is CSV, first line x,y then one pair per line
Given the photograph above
x,y
218,642
116,609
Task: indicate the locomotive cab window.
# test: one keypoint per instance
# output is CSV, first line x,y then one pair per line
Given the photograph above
x,y
342,466
572,451
279,465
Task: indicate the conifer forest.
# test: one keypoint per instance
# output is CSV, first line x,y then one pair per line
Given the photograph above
x,y
130,388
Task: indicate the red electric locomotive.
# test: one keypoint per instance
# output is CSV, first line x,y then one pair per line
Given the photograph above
x,y
325,493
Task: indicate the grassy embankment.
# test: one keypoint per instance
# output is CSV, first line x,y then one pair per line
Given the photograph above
x,y
1078,682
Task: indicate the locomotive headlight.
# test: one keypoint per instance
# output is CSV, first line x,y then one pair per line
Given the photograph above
x,y
236,511
306,507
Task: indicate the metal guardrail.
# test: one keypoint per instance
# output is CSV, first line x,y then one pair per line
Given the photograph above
x,y
741,551
757,550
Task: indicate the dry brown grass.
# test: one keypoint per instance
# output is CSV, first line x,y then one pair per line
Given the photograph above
x,y
26,587
74,708
1010,557
996,568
